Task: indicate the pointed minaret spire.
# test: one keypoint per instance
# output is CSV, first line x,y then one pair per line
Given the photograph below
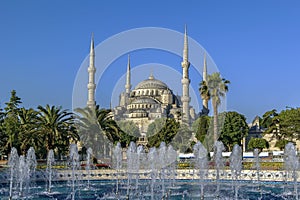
x,y
185,82
204,68
128,81
185,46
91,82
205,99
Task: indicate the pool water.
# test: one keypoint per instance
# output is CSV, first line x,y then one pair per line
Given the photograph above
x,y
158,189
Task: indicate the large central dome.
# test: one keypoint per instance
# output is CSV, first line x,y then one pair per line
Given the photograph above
x,y
151,83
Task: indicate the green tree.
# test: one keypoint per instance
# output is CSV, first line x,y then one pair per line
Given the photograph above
x,y
234,129
129,127
258,143
289,124
97,129
12,107
108,125
281,144
205,96
182,140
129,132
270,120
165,134
29,131
11,125
56,128
89,130
217,88
283,126
156,126
200,127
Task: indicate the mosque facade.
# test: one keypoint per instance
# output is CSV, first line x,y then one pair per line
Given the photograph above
x,y
151,98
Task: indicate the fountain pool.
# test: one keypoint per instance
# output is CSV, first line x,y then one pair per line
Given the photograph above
x,y
182,189
153,175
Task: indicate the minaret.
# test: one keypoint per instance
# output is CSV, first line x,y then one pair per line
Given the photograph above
x,y
128,85
185,82
205,100
91,82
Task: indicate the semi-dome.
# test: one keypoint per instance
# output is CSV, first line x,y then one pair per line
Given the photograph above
x,y
144,101
151,83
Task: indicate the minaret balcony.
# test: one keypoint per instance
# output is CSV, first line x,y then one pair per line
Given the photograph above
x,y
185,81
91,86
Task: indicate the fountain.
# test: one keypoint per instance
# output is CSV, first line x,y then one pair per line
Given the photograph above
x,y
201,164
22,169
74,162
219,162
23,173
89,162
50,161
257,167
236,166
117,163
13,164
152,164
153,175
291,165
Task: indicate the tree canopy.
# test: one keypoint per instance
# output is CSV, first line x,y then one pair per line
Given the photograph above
x,y
42,128
284,126
215,89
258,143
165,134
234,129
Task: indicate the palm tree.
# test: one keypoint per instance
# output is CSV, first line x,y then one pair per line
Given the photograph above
x,y
28,131
89,130
97,129
56,128
217,88
205,96
107,124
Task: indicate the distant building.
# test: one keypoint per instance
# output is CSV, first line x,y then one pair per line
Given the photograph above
x,y
255,131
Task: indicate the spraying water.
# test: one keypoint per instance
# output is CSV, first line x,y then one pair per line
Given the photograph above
x,y
219,163
88,165
50,161
236,166
23,170
172,156
31,166
117,163
257,164
200,153
152,155
131,165
139,151
13,163
74,161
162,161
291,164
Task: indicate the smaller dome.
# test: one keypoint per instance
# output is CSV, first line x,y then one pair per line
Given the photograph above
x,y
144,101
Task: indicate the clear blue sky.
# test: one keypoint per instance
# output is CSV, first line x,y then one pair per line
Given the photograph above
x,y
255,45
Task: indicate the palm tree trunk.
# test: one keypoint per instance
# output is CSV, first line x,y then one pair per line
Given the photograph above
x,y
215,107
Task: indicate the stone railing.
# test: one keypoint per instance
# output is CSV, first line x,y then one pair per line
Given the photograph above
x,y
188,174
249,175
